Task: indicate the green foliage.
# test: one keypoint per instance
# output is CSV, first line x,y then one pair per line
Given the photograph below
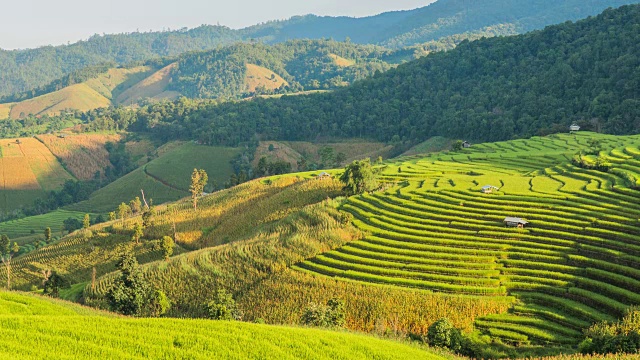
x,y
54,283
199,179
47,234
135,205
86,221
330,315
159,304
552,76
223,307
457,145
443,334
622,336
167,245
130,293
138,232
359,177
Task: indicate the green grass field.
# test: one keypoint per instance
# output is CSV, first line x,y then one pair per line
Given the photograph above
x,y
175,167
164,179
20,228
37,328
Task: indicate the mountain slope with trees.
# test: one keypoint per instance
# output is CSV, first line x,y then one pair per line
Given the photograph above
x,y
445,22
491,89
233,72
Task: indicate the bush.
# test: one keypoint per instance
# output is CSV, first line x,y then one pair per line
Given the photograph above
x,y
159,304
443,334
330,315
620,337
223,307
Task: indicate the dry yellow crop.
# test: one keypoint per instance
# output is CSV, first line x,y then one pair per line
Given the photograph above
x,y
83,155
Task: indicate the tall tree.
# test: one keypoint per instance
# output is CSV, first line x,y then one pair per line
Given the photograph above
x,y
358,177
86,222
135,205
137,233
199,180
7,252
123,211
47,234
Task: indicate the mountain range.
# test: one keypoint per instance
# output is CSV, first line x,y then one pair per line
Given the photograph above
x,y
24,70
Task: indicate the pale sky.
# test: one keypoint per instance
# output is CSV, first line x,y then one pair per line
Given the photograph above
x,y
33,23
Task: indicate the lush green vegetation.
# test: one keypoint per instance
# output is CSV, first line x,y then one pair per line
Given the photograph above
x,y
431,245
303,64
441,20
55,328
575,263
165,178
496,89
439,26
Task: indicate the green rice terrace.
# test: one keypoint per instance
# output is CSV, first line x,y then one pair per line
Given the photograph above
x,y
575,263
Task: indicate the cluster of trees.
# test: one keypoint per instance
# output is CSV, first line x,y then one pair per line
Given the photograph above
x,y
331,315
487,90
304,64
131,294
23,70
622,336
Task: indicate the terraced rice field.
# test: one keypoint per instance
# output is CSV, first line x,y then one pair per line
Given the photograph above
x,y
575,264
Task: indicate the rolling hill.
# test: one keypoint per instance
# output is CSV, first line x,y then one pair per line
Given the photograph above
x,y
430,240
234,72
448,20
486,90
166,178
89,334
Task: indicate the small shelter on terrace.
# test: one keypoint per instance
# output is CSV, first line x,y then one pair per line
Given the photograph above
x,y
466,144
324,175
488,189
515,222
574,127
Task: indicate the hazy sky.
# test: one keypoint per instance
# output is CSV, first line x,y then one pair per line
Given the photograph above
x,y
32,23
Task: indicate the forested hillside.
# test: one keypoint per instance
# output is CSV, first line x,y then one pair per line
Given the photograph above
x,y
441,25
233,72
441,19
303,64
490,89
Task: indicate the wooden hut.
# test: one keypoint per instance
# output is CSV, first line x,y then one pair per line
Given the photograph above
x,y
515,222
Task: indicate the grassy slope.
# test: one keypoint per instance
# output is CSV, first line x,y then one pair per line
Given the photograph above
x,y
79,96
340,61
82,154
27,171
292,151
111,84
176,166
58,329
166,178
154,86
261,76
5,110
127,85
21,228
